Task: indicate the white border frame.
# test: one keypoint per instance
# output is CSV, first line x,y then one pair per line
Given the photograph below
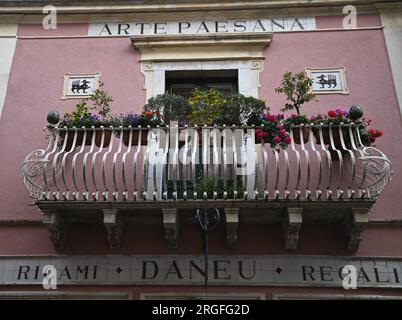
x,y
68,76
248,73
342,73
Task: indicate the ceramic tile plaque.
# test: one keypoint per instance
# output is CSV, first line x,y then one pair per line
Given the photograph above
x,y
328,80
79,85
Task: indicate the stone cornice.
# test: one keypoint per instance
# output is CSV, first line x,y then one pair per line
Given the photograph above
x,y
35,7
81,13
243,39
227,46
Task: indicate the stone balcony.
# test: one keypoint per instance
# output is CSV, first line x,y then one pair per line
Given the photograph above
x,y
119,176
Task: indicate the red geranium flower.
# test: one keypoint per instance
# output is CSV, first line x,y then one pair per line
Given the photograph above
x,y
331,114
271,118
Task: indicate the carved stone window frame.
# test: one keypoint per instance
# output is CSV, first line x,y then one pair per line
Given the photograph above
x,y
68,76
342,73
243,52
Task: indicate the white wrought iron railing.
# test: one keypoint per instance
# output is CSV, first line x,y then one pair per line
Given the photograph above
x,y
225,163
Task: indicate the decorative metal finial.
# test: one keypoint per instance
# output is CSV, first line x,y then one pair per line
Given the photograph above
x,y
53,117
355,112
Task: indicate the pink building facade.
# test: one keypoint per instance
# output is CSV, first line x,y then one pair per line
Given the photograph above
x,y
270,248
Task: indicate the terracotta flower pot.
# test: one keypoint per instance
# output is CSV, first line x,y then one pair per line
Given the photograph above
x,y
335,133
106,142
88,139
79,141
135,136
296,135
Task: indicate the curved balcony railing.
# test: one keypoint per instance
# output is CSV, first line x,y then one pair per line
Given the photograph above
x,y
172,164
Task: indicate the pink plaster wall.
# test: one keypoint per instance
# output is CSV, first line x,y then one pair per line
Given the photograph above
x,y
253,239
63,29
35,88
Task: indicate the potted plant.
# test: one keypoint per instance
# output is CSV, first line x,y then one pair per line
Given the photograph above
x,y
140,126
297,89
271,131
332,119
205,108
172,107
368,136
210,185
82,117
295,123
242,110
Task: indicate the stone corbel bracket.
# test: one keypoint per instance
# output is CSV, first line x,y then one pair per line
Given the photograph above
x,y
232,224
354,225
171,226
114,225
291,224
57,228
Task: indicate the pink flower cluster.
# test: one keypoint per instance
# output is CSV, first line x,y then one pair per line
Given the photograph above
x,y
273,132
338,113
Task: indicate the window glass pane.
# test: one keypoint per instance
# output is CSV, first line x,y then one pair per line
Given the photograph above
x,y
183,82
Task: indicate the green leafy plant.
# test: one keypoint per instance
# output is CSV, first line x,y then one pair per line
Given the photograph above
x,y
100,100
206,107
145,119
295,120
173,107
209,185
368,135
242,110
82,117
297,89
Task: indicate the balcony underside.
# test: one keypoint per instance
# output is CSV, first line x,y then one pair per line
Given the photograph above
x,y
351,214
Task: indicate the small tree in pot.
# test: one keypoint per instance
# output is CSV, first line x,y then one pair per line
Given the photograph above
x,y
297,89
